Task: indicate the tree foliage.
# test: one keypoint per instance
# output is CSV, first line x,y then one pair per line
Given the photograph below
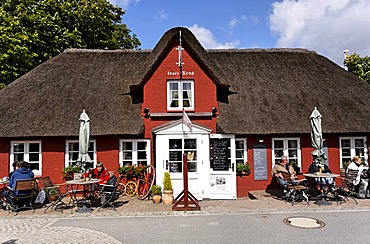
x,y
33,31
359,66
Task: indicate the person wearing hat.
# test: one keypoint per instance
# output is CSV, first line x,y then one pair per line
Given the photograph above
x,y
100,173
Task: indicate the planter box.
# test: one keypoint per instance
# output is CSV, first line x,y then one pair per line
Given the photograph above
x,y
243,182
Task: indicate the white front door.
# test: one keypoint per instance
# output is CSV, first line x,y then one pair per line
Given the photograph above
x,y
222,173
171,143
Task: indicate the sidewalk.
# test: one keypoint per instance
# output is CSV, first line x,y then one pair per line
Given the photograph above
x,y
38,227
259,201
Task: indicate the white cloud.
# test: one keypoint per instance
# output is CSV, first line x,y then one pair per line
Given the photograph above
x,y
325,26
234,21
208,41
162,15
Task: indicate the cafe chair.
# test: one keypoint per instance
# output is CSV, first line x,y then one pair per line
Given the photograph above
x,y
26,193
296,193
108,194
48,187
348,189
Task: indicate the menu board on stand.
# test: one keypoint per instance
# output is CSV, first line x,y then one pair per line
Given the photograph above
x,y
260,161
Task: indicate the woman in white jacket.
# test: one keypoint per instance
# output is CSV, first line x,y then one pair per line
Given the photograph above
x,y
361,179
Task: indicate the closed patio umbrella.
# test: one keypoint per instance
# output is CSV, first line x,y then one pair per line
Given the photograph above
x,y
84,140
316,138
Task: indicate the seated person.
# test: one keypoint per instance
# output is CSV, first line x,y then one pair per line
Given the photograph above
x,y
23,172
361,180
15,167
111,183
315,167
108,187
100,173
284,166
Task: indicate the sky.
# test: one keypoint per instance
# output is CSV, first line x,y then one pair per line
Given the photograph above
x,y
327,27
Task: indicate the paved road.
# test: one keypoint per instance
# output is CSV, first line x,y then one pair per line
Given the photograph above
x,y
340,227
259,216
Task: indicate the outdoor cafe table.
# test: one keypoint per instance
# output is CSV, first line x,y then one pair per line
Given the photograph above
x,y
323,197
3,184
87,189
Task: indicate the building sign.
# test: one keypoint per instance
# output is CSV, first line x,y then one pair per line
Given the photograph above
x,y
260,161
220,183
220,154
177,73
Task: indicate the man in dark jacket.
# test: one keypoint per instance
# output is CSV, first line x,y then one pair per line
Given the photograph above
x,y
22,173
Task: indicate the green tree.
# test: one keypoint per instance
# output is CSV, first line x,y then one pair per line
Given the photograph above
x,y
358,66
32,31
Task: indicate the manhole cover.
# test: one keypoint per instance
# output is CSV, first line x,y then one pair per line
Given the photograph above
x,y
304,222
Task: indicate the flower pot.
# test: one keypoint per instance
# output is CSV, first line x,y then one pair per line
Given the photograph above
x,y
157,199
167,196
53,198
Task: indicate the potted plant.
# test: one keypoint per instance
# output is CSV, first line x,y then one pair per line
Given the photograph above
x,y
69,171
156,193
52,193
131,171
167,189
295,166
243,169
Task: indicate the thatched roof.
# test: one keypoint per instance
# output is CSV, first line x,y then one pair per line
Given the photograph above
x,y
275,91
48,100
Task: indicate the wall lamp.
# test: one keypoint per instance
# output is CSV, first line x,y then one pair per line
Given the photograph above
x,y
146,112
260,139
214,111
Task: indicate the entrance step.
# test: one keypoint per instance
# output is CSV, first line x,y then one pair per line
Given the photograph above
x,y
260,194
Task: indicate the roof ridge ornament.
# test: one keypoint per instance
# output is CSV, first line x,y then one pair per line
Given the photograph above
x,y
179,49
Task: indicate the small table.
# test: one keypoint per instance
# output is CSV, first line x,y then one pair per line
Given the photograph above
x,y
323,196
3,184
87,186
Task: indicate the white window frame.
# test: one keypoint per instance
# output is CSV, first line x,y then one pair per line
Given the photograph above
x,y
183,150
180,98
353,148
232,160
26,154
66,156
245,153
134,150
285,149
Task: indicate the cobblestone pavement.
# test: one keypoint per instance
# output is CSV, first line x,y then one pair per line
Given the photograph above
x,y
35,227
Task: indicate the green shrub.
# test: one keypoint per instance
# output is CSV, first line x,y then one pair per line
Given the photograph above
x,y
167,183
51,191
243,168
156,190
70,170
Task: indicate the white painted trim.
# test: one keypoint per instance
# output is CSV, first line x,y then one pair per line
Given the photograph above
x,y
134,150
180,107
352,147
66,152
285,150
26,154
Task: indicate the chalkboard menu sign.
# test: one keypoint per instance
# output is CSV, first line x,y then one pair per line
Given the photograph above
x,y
260,161
220,154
